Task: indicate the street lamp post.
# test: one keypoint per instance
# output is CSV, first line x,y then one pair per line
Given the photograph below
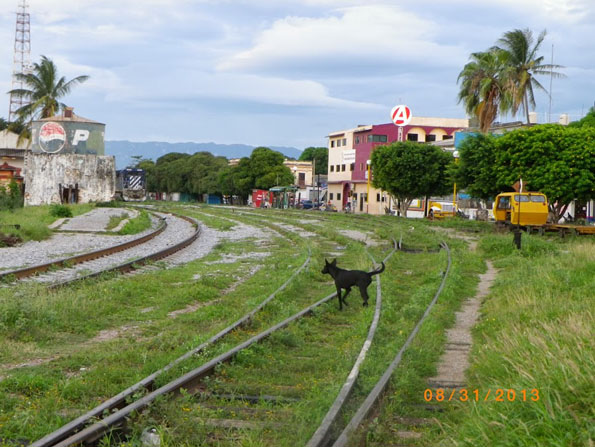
x,y
296,183
369,163
455,154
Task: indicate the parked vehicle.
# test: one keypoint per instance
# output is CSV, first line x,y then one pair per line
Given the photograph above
x,y
525,209
441,209
309,205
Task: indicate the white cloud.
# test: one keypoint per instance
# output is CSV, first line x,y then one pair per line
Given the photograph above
x,y
273,91
197,86
387,33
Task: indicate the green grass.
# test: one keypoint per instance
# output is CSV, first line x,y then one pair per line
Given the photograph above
x,y
137,224
114,221
536,331
34,221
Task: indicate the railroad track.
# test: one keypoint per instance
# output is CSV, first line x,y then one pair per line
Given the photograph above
x,y
122,258
76,432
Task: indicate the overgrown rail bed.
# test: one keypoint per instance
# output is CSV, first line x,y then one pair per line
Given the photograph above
x,y
69,350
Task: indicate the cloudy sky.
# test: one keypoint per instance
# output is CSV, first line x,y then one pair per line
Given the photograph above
x,y
286,72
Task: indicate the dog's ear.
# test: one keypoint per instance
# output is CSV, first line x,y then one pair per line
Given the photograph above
x,y
334,262
325,261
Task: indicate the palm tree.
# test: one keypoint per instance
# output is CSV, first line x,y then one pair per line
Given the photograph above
x,y
525,63
485,86
44,90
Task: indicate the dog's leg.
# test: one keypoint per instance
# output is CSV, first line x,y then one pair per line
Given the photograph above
x,y
364,292
339,296
347,290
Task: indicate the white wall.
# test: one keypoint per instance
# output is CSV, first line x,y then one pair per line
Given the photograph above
x,y
95,175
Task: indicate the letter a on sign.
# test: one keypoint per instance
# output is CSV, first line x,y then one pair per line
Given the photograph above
x,y
400,115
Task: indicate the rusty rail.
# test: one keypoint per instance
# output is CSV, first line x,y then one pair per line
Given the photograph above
x,y
78,259
132,265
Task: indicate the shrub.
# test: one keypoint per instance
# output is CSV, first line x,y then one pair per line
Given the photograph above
x,y
60,211
11,196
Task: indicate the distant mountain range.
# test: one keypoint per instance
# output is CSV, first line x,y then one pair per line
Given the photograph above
x,y
124,150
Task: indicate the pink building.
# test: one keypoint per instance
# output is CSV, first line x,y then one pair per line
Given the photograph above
x,y
350,150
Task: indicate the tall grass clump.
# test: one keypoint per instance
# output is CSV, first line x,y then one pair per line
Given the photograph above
x,y
60,211
137,225
536,333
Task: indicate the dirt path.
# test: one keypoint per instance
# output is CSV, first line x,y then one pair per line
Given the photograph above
x,y
455,359
454,362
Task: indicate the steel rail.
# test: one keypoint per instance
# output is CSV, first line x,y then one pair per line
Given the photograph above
x,y
78,259
187,381
322,434
131,265
372,398
146,383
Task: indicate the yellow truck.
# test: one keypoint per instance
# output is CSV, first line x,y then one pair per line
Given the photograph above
x,y
441,209
521,208
530,210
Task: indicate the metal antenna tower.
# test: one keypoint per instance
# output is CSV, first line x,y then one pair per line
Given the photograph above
x,y
22,57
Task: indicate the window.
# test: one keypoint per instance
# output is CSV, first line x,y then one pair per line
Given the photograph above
x,y
332,168
378,197
332,143
342,168
377,138
352,166
338,196
431,137
447,137
344,141
538,199
411,137
519,198
302,178
361,166
330,196
504,203
356,140
354,196
338,168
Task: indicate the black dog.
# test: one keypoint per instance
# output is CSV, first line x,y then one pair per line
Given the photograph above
x,y
346,279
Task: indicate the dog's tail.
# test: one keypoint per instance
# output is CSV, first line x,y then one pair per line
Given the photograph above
x,y
375,272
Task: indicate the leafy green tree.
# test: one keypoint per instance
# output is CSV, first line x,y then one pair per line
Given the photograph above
x,y
204,174
475,170
263,169
17,127
267,169
484,86
44,90
409,170
170,172
320,154
149,167
522,50
553,159
587,121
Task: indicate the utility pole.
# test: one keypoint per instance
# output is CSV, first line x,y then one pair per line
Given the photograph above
x,y
22,57
549,112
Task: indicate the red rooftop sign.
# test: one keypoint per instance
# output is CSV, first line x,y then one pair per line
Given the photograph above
x,y
400,115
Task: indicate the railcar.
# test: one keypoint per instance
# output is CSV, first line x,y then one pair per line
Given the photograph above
x,y
131,185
